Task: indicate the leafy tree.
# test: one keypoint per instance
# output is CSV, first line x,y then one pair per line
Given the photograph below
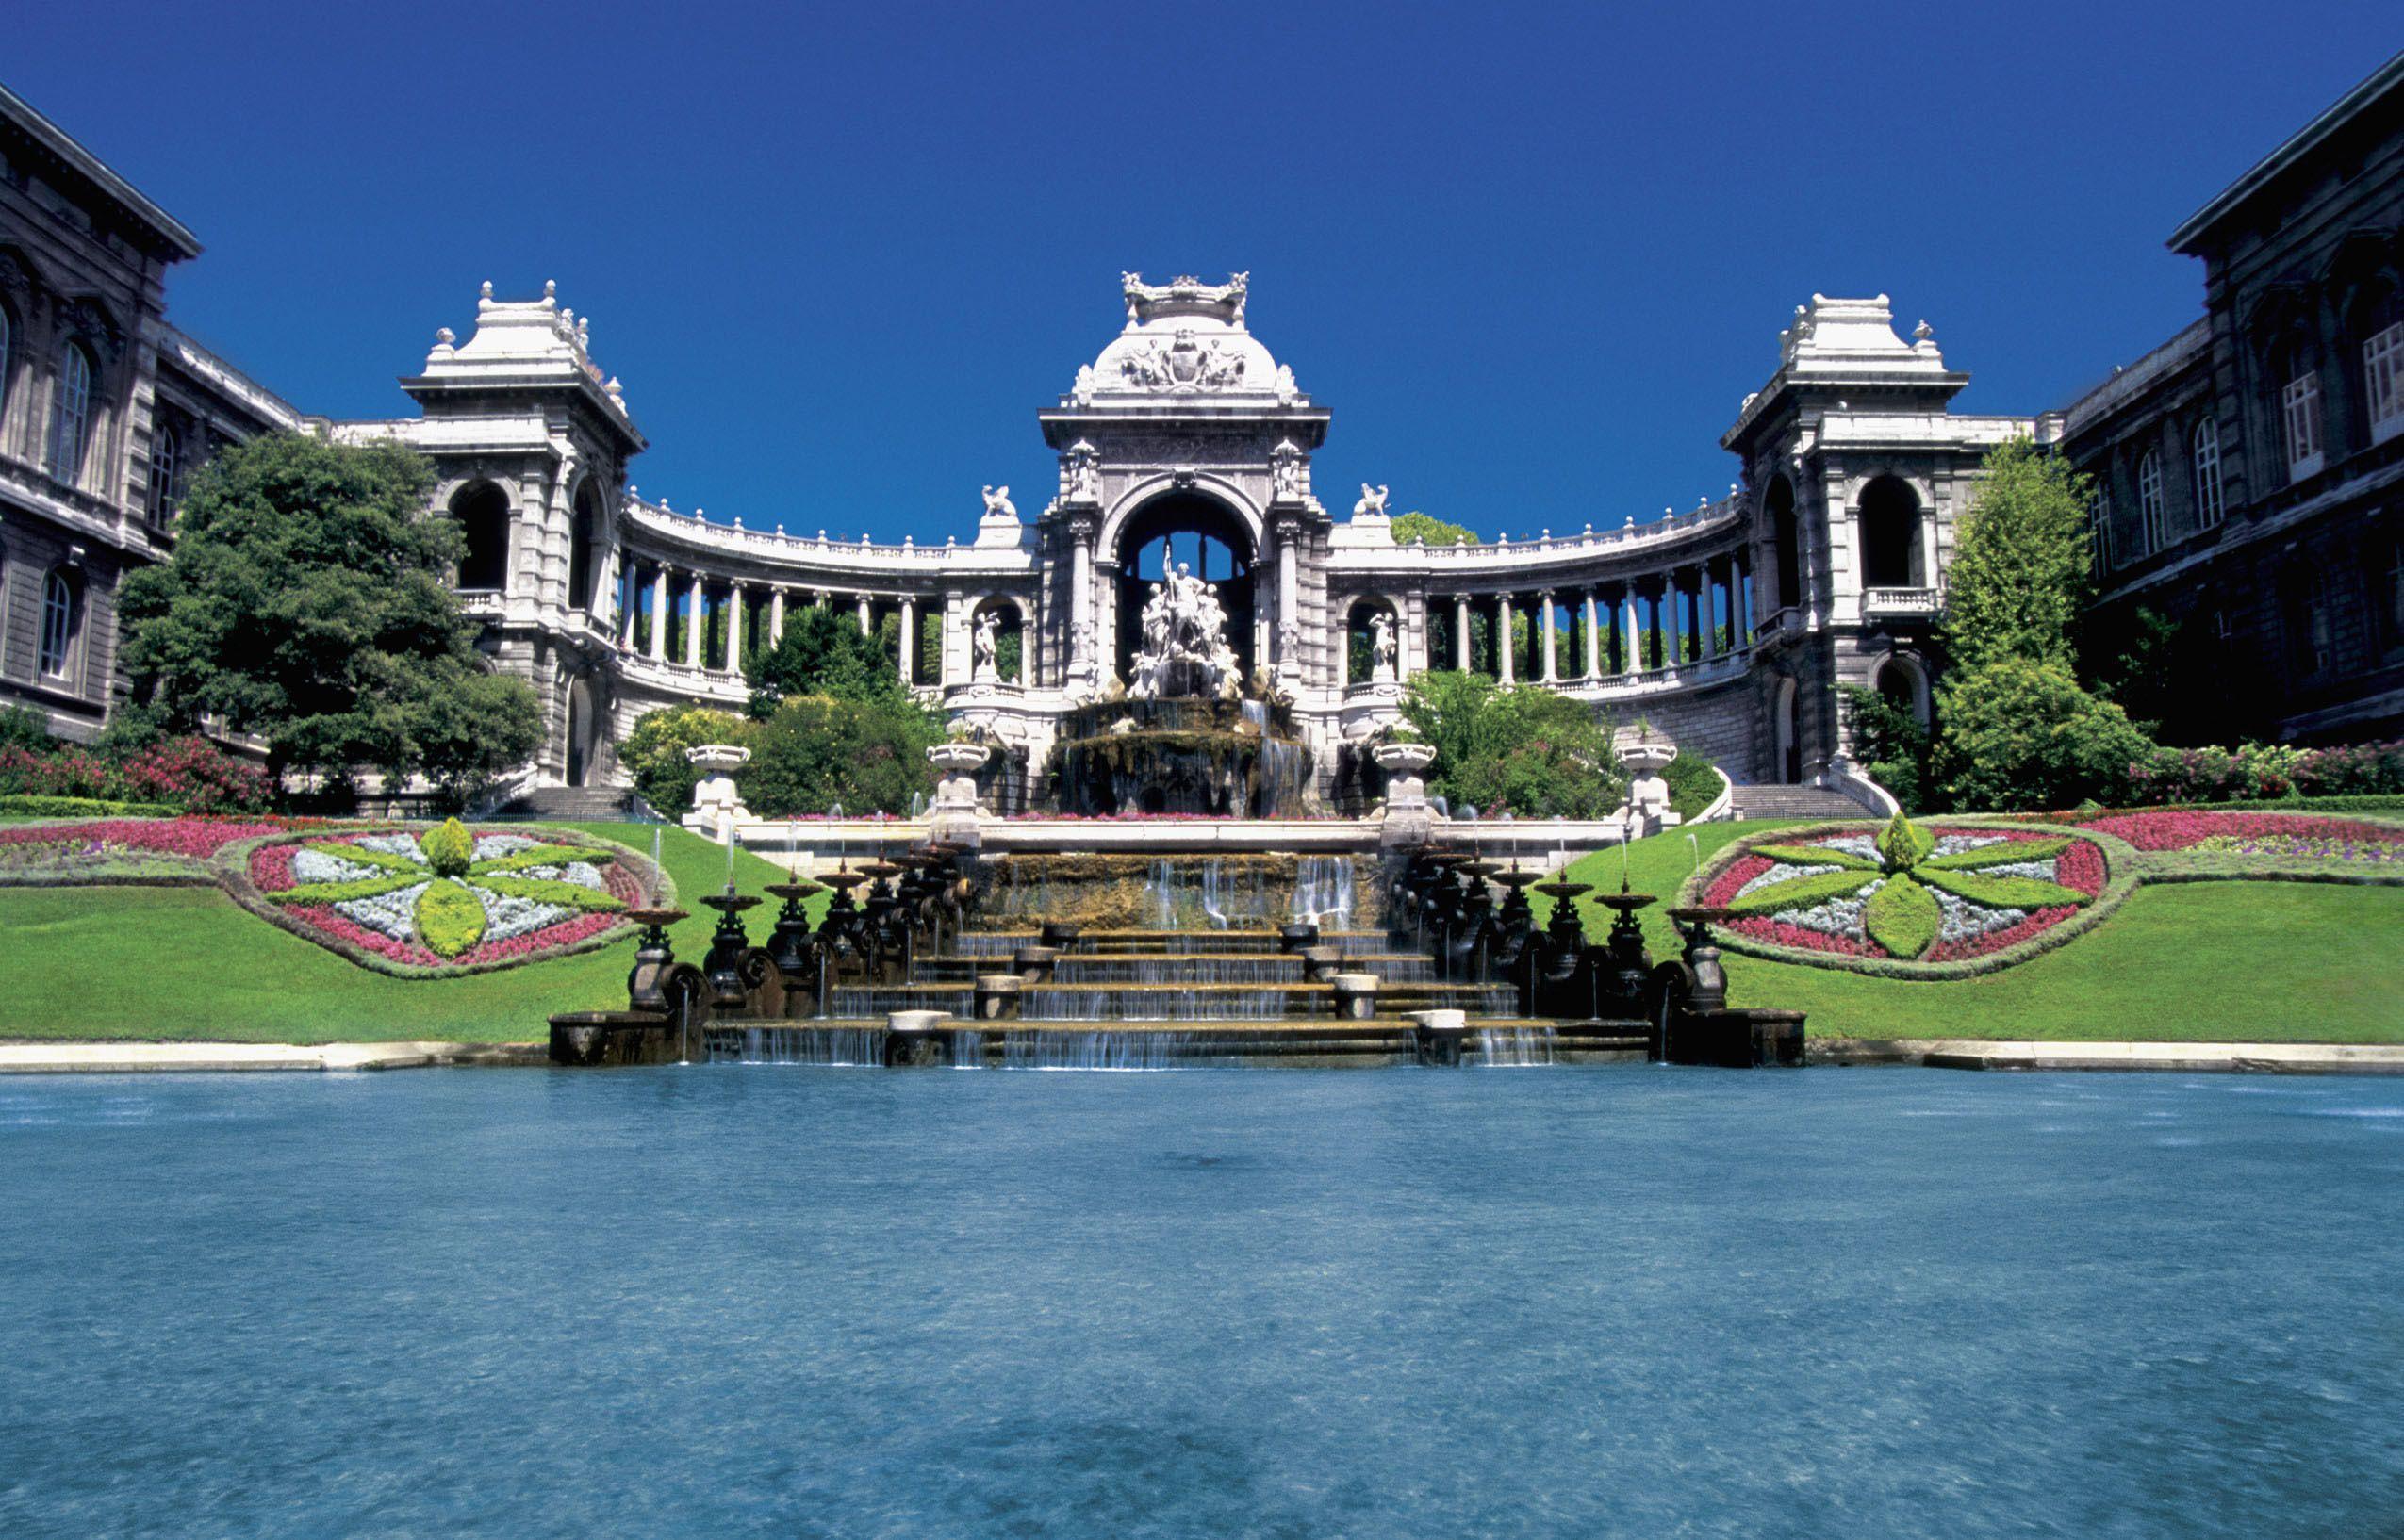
x,y
22,727
1896,750
1532,751
817,750
1417,526
308,602
2021,571
822,653
2019,734
653,753
2178,674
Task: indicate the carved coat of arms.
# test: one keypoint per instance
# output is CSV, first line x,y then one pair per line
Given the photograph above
x,y
1184,365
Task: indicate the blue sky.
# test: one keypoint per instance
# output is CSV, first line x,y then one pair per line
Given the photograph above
x,y
1531,257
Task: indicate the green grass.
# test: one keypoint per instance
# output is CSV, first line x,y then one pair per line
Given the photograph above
x,y
2260,961
189,964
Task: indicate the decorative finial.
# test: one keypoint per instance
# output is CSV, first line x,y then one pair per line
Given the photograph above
x,y
445,335
551,288
485,293
1922,332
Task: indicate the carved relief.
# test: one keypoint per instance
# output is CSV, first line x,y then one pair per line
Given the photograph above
x,y
1184,365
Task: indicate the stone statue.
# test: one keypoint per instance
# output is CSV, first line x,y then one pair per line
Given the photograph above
x,y
1372,502
1080,474
1285,473
1381,647
985,649
997,503
1185,646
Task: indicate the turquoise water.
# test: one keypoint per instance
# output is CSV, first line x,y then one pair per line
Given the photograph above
x,y
1566,1303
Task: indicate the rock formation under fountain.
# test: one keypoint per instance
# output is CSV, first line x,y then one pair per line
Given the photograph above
x,y
1184,738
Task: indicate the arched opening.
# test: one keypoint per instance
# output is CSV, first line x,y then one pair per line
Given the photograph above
x,y
1780,500
1362,647
585,551
1787,734
581,719
1890,530
1903,684
1207,538
482,511
71,415
997,643
61,624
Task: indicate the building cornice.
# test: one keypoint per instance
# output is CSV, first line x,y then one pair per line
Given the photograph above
x,y
163,227
2189,239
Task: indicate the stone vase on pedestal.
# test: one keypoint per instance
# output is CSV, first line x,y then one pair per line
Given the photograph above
x,y
954,813
1409,820
1647,794
717,803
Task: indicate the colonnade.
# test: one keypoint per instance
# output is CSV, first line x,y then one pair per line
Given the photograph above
x,y
671,591
1690,614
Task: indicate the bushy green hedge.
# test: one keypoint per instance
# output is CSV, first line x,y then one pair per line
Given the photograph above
x,y
1693,785
81,806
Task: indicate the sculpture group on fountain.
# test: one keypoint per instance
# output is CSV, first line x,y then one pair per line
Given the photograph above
x,y
1185,652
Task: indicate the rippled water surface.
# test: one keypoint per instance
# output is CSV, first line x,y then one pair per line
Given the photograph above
x,y
1554,1303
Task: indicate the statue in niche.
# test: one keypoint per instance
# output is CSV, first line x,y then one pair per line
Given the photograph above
x,y
985,649
1372,503
1285,473
1080,474
997,504
1381,647
1185,653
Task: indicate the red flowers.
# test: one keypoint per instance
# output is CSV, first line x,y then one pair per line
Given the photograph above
x,y
2185,828
196,839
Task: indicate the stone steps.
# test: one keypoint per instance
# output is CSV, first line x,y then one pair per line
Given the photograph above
x,y
582,804
1792,802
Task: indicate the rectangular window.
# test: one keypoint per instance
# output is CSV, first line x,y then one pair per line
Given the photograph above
x,y
2151,526
2103,530
2300,408
2208,497
2383,382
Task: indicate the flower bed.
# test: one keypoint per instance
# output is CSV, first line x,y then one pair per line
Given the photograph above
x,y
56,852
2277,834
448,899
1907,893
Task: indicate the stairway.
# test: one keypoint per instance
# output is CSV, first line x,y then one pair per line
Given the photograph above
x,y
1792,802
572,804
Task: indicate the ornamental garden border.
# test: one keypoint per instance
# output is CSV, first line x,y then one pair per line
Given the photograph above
x,y
2127,868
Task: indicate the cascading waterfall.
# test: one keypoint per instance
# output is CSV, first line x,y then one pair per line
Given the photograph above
x,y
1323,890
820,1045
967,1048
1110,1002
1096,1050
1171,967
1514,1047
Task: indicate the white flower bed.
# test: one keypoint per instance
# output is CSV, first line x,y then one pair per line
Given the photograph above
x,y
392,844
2041,869
1958,920
1780,873
494,847
506,917
310,866
1834,916
1864,846
390,914
1953,844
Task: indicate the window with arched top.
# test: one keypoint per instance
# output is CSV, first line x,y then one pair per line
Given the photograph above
x,y
483,513
2153,524
2208,504
2296,373
2103,554
166,470
71,414
1890,534
59,621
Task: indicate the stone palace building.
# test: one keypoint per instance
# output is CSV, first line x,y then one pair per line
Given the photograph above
x,y
1185,440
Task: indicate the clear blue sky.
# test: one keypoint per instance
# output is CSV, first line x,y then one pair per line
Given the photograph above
x,y
840,255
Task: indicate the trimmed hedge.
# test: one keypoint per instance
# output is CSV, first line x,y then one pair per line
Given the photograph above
x,y
1902,917
28,805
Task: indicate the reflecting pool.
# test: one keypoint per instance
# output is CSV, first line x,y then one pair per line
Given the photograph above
x,y
1250,1302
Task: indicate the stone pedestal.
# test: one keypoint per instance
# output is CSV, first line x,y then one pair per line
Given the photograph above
x,y
1649,809
954,813
1410,821
718,804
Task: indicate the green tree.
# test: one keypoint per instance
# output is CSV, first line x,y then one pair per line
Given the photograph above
x,y
819,751
822,653
1529,749
308,600
2022,734
653,753
2021,571
1417,526
1893,746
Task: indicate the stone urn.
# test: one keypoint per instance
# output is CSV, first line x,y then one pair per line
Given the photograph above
x,y
718,804
953,814
1410,821
1645,757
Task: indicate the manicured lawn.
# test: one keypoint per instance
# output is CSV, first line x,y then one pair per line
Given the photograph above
x,y
166,963
2271,961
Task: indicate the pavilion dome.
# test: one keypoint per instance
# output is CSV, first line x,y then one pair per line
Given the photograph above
x,y
1184,343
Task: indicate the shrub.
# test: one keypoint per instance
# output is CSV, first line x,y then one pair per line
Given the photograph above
x,y
183,775
1693,785
1901,916
1895,749
2022,734
2355,770
450,850
80,807
450,919
653,753
815,751
1528,749
22,727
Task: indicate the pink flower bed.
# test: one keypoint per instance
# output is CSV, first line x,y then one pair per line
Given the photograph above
x,y
196,839
2186,828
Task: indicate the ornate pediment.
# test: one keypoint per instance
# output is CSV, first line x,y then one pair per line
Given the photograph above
x,y
1185,366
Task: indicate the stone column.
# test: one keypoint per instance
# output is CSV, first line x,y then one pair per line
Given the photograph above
x,y
1552,664
659,614
1631,632
1593,639
868,627
692,623
776,615
1289,600
1343,645
735,628
1082,666
1722,592
909,640
632,580
1460,632
1740,605
1504,646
